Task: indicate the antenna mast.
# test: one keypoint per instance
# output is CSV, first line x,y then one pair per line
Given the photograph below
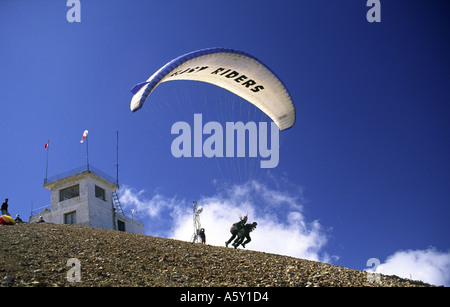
x,y
196,216
117,165
117,207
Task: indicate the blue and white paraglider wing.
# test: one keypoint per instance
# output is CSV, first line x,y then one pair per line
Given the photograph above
x,y
235,71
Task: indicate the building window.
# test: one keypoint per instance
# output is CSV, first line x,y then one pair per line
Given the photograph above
x,y
100,193
70,218
69,192
120,225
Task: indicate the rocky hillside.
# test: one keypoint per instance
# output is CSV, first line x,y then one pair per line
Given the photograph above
x,y
46,254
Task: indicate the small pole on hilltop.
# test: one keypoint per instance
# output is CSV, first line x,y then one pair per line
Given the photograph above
x,y
46,164
117,159
87,152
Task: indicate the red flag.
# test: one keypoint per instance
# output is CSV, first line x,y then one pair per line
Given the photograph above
x,y
46,145
85,133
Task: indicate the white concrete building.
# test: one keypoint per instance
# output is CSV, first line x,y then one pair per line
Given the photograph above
x,y
84,197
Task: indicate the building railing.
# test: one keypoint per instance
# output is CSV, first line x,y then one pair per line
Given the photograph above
x,y
36,211
85,168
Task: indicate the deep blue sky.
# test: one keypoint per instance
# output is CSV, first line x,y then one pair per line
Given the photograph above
x,y
369,149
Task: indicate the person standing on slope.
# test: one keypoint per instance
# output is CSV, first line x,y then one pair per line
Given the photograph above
x,y
202,235
5,207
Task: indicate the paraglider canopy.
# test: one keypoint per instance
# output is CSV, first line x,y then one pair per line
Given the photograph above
x,y
233,70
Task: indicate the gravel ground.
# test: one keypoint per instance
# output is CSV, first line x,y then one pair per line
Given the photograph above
x,y
42,255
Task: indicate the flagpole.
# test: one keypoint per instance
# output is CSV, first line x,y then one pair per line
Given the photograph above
x,y
46,164
87,151
83,138
117,165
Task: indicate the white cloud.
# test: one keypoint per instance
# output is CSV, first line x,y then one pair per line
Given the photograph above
x,y
156,209
429,265
282,226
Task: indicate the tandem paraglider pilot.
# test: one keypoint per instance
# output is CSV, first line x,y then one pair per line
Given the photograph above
x,y
235,229
244,233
